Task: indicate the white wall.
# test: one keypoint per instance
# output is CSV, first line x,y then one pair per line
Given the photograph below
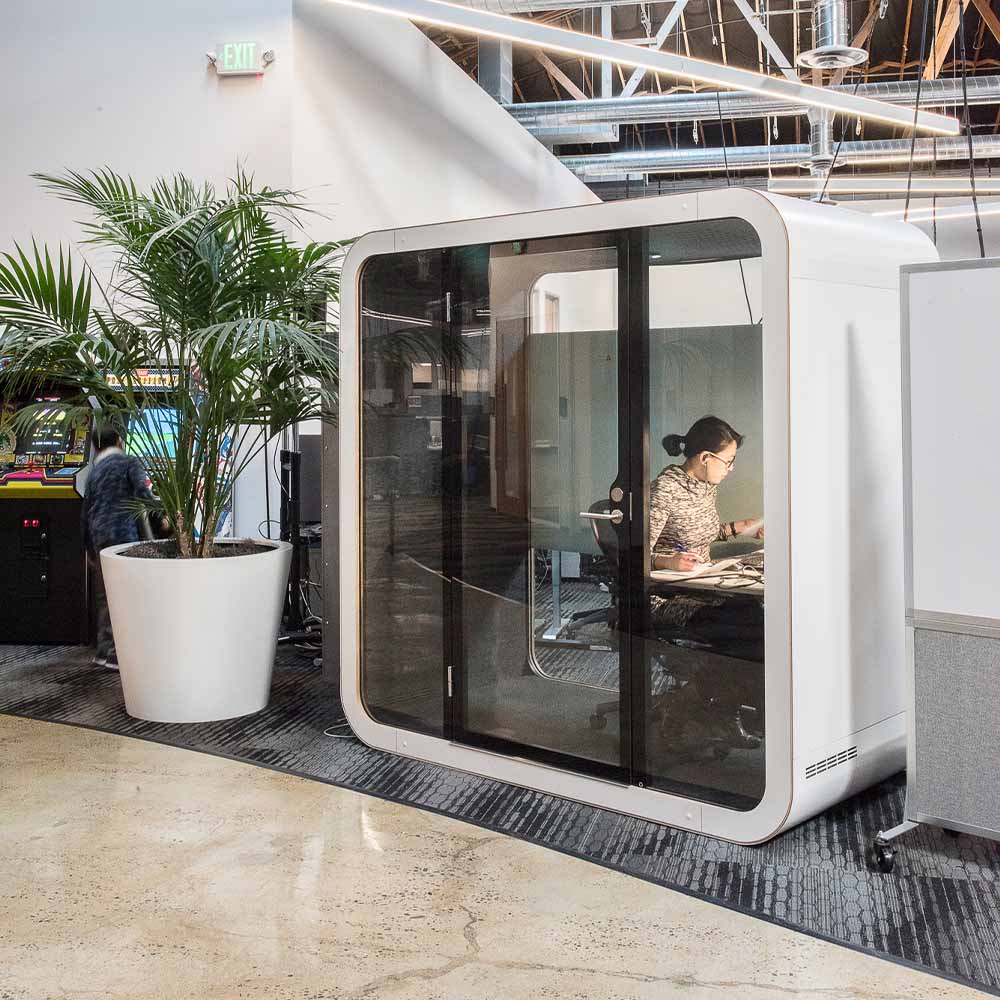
x,y
389,132
127,85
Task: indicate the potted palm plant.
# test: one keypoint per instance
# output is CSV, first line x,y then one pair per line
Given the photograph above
x,y
207,291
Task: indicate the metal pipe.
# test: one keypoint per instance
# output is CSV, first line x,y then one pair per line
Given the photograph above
x,y
736,105
832,48
820,141
875,187
761,157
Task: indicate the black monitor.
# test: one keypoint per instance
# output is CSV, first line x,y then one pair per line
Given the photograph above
x,y
311,478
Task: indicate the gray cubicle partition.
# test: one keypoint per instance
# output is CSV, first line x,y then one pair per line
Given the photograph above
x,y
951,357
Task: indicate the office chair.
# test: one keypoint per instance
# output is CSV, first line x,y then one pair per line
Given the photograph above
x,y
681,672
607,541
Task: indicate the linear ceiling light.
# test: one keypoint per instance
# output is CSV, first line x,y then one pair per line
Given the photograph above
x,y
924,214
543,36
893,184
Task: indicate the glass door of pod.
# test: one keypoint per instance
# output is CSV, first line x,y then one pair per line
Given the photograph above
x,y
562,502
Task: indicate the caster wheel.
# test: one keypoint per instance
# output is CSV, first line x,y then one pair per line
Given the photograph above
x,y
883,857
720,752
598,722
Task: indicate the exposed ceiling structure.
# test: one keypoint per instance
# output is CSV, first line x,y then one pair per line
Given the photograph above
x,y
629,132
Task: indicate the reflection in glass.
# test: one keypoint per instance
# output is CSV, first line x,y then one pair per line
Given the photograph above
x,y
490,423
539,658
704,637
403,341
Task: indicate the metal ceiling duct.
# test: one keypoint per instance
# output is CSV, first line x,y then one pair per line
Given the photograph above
x,y
705,106
820,141
830,34
665,161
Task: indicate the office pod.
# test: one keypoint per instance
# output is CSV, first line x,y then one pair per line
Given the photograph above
x,y
620,503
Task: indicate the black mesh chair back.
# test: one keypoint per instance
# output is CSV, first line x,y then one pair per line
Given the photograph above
x,y
605,536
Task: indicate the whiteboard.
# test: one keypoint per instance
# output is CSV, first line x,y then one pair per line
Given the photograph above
x,y
951,401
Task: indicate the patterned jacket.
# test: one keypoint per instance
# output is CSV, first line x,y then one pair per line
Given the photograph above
x,y
115,480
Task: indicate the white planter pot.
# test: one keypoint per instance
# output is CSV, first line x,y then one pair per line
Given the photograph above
x,y
196,637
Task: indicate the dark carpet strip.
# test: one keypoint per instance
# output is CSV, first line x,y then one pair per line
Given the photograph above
x,y
940,909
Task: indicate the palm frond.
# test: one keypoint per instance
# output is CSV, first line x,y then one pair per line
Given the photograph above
x,y
35,294
206,283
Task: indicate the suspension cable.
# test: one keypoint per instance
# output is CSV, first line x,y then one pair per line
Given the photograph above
x,y
916,108
968,131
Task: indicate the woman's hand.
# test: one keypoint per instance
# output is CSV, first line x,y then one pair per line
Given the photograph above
x,y
683,562
752,527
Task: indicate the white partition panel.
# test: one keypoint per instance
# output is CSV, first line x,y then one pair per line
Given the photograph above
x,y
952,315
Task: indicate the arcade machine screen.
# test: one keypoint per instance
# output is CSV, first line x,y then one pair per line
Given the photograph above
x,y
48,456
152,436
43,588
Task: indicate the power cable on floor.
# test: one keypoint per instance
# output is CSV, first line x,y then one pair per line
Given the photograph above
x,y
330,731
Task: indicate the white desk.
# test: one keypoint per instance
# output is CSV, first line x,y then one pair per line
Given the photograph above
x,y
728,582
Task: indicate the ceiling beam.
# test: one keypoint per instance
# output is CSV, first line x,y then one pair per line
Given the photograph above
x,y
906,37
985,10
538,36
765,38
945,36
553,70
722,32
669,22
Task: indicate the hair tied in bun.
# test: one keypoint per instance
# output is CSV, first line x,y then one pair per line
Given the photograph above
x,y
673,444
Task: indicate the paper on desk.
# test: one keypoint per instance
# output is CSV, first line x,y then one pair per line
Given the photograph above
x,y
702,569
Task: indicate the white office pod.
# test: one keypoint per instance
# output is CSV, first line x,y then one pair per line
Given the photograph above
x,y
551,564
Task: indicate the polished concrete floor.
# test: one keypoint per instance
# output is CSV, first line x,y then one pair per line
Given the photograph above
x,y
131,869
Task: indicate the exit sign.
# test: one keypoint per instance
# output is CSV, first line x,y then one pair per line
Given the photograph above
x,y
240,58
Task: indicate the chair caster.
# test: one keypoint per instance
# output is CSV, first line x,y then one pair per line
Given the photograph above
x,y
883,856
598,721
720,752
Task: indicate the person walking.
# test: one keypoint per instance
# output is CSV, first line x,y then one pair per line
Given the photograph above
x,y
115,483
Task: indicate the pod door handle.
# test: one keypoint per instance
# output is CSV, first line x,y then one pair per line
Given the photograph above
x,y
615,517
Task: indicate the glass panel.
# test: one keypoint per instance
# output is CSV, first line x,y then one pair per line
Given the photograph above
x,y
403,341
703,640
538,445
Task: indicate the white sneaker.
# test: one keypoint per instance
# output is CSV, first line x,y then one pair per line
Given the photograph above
x,y
100,661
111,663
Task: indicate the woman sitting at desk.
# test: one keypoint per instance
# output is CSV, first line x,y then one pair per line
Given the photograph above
x,y
683,524
683,519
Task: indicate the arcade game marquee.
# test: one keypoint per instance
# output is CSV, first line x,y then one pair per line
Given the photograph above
x,y
43,577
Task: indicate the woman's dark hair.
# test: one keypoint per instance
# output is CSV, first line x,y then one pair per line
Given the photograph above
x,y
707,434
105,437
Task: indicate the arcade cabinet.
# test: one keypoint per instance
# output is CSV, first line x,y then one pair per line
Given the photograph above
x,y
43,577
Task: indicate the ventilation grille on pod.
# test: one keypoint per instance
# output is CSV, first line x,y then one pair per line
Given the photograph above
x,y
824,765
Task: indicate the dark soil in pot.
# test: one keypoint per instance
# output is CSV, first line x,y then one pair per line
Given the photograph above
x,y
169,550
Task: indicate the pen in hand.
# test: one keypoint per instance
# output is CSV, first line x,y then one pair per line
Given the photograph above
x,y
686,560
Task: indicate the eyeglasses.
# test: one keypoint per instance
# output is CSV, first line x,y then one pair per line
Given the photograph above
x,y
727,463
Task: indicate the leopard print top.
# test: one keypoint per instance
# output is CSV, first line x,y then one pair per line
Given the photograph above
x,y
683,515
